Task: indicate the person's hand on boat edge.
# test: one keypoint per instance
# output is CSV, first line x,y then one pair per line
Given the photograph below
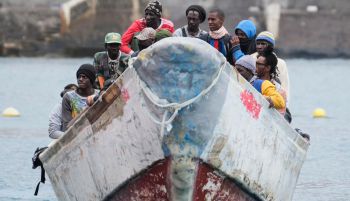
x,y
91,100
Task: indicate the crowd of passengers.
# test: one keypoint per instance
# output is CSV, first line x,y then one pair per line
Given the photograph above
x,y
251,54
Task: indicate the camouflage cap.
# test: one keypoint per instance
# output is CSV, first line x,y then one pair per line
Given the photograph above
x,y
113,38
146,33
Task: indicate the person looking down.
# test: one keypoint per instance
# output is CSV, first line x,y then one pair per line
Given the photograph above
x,y
246,67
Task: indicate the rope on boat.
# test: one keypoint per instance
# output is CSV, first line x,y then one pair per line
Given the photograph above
x,y
174,106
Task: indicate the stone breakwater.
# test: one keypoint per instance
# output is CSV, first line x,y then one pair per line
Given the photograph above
x,y
34,29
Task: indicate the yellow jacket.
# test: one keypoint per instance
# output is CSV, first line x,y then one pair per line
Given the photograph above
x,y
267,89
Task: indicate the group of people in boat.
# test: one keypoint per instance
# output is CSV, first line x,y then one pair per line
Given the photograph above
x,y
251,54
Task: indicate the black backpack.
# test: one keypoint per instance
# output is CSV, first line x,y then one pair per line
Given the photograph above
x,y
36,163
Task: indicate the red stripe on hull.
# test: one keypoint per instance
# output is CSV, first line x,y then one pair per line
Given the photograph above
x,y
150,185
154,184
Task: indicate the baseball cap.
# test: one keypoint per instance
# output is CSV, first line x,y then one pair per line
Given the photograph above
x,y
146,33
113,38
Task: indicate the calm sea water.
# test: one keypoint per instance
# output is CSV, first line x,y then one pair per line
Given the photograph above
x,y
32,86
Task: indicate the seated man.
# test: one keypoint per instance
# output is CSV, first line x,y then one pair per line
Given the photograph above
x,y
74,102
111,63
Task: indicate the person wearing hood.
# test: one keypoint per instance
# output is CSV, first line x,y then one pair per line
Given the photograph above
x,y
195,15
218,36
153,18
244,41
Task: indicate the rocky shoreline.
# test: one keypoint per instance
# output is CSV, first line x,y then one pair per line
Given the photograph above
x,y
37,31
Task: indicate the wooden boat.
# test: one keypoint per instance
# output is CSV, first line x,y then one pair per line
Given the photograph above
x,y
180,124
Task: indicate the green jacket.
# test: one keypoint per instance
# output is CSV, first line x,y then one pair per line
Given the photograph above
x,y
107,69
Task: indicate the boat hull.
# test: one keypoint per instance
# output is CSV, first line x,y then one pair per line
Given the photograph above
x,y
224,144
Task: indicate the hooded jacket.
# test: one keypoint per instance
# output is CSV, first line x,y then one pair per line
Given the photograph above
x,y
248,27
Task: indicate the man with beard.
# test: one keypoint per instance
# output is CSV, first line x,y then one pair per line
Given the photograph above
x,y
218,36
111,63
153,13
244,41
195,15
75,101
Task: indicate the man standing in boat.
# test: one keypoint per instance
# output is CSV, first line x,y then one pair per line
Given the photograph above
x,y
195,15
153,18
111,63
218,36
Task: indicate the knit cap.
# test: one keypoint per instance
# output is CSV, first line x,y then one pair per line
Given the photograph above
x,y
155,7
248,62
89,71
266,36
